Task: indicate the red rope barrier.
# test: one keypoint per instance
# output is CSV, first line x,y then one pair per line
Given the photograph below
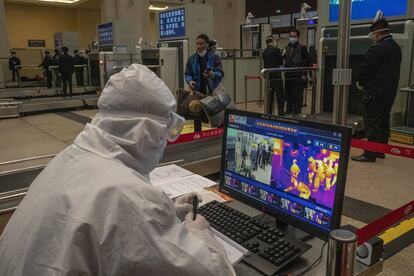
x,y
383,148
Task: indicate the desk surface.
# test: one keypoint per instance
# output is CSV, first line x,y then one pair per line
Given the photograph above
x,y
307,259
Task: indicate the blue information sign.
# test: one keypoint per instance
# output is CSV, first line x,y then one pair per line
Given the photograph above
x,y
172,23
366,9
105,34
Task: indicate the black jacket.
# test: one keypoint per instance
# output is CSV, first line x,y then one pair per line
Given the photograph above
x,y
272,58
380,72
79,60
297,56
66,64
13,61
47,61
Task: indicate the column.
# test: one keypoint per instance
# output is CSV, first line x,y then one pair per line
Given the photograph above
x,y
134,12
4,45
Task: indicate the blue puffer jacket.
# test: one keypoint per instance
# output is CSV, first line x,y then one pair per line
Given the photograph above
x,y
192,71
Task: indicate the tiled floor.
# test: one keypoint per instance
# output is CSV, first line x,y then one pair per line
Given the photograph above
x,y
387,183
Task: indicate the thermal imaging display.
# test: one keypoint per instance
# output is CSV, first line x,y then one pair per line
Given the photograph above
x,y
287,166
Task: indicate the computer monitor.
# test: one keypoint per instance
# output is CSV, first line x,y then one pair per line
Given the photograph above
x,y
292,169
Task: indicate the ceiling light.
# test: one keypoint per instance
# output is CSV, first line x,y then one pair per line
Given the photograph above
x,y
155,8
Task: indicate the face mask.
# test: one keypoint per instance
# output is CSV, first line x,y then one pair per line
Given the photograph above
x,y
293,40
202,53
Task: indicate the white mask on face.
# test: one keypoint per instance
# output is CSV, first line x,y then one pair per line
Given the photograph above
x,y
202,53
293,40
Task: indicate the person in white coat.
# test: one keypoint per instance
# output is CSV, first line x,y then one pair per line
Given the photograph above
x,y
93,210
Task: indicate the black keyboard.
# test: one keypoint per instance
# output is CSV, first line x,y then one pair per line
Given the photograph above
x,y
270,250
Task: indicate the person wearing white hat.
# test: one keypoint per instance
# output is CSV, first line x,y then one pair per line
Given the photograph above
x,y
93,210
378,82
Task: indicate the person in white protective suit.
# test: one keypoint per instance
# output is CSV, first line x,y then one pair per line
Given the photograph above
x,y
93,210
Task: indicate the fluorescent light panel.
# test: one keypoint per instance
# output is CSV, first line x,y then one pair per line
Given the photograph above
x,y
155,8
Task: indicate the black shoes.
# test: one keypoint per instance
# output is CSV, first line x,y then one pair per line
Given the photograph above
x,y
363,158
381,155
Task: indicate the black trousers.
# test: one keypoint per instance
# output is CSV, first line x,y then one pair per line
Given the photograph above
x,y
276,89
67,82
15,73
294,95
197,126
377,124
48,76
58,79
79,76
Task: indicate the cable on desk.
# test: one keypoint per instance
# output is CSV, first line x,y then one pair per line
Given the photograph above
x,y
315,263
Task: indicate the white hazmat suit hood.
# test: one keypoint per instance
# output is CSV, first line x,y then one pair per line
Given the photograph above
x,y
92,210
137,116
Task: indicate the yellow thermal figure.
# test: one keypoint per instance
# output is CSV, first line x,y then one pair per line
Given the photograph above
x,y
294,172
304,190
335,178
320,175
311,170
329,173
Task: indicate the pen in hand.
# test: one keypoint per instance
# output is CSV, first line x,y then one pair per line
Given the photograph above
x,y
195,206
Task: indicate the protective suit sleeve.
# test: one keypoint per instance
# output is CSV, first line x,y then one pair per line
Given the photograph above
x,y
144,236
371,63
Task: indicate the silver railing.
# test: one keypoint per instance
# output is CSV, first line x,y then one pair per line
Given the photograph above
x,y
265,75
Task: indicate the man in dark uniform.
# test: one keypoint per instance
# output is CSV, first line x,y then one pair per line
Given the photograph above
x,y
379,78
272,58
55,59
46,63
66,70
13,62
79,60
296,55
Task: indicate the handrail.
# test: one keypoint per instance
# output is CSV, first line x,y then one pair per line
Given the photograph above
x,y
287,69
265,74
27,159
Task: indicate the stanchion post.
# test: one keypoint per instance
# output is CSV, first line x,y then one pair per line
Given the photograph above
x,y
313,99
341,253
266,95
245,93
261,85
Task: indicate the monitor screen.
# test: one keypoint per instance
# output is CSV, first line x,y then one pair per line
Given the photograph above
x,y
172,23
366,9
286,167
105,34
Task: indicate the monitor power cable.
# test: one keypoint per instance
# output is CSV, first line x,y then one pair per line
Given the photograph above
x,y
315,263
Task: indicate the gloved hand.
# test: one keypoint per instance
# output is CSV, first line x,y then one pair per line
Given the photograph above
x,y
184,204
200,223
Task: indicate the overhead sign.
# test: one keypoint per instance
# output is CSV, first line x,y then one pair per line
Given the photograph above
x,y
106,34
172,23
36,43
366,9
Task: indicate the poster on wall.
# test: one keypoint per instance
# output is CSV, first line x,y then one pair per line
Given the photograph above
x,y
366,9
36,43
172,23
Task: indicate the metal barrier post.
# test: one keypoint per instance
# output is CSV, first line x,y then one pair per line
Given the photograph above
x,y
234,76
245,93
342,75
313,97
261,86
